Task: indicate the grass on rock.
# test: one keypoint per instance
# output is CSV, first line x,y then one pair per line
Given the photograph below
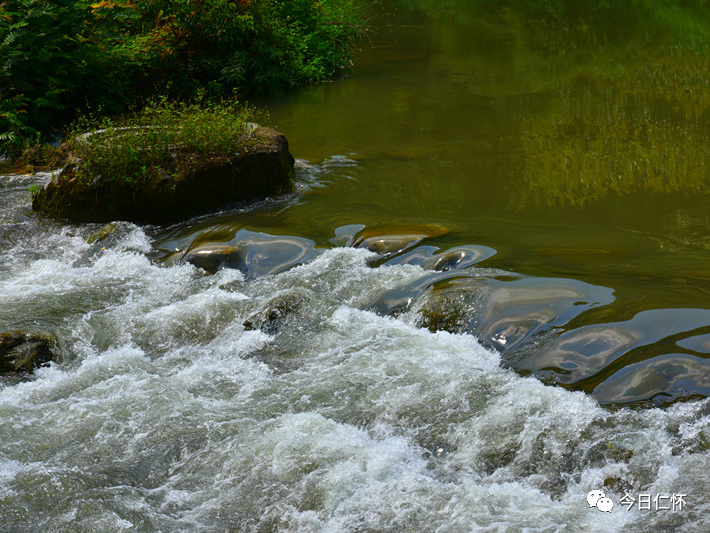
x,y
159,138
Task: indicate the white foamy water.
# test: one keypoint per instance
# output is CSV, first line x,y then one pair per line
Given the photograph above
x,y
168,414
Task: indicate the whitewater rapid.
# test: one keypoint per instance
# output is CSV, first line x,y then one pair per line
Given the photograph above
x,y
166,413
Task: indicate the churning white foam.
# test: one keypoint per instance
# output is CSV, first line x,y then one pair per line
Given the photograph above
x,y
169,414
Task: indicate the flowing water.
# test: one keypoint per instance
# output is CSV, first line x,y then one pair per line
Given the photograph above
x,y
488,297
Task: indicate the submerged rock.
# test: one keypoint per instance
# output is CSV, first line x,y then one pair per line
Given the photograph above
x,y
104,233
274,313
390,244
660,380
394,239
458,258
453,309
617,484
451,261
111,236
505,314
23,352
203,183
214,256
577,358
254,254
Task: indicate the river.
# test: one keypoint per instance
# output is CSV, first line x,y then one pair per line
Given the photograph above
x,y
536,326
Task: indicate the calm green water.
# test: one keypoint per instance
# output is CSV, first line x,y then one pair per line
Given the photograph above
x,y
579,159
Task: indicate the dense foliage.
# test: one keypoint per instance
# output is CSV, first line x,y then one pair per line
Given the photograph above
x,y
59,56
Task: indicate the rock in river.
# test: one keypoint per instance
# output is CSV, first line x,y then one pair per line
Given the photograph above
x,y
23,352
214,256
203,182
395,238
270,318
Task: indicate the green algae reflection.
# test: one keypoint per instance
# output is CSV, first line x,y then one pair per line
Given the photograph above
x,y
625,88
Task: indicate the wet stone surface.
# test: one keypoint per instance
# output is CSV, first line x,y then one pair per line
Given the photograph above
x,y
24,352
254,254
640,360
212,257
271,317
504,314
387,241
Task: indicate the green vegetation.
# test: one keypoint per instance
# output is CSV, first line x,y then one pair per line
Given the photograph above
x,y
66,55
169,161
162,137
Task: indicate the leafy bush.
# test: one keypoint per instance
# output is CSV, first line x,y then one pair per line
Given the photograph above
x,y
261,46
64,55
46,62
158,138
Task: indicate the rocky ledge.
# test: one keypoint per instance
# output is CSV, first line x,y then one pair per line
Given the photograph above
x,y
264,167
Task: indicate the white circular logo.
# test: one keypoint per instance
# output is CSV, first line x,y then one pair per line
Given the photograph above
x,y
598,499
605,505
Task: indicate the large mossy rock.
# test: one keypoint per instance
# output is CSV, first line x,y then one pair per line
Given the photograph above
x,y
264,167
